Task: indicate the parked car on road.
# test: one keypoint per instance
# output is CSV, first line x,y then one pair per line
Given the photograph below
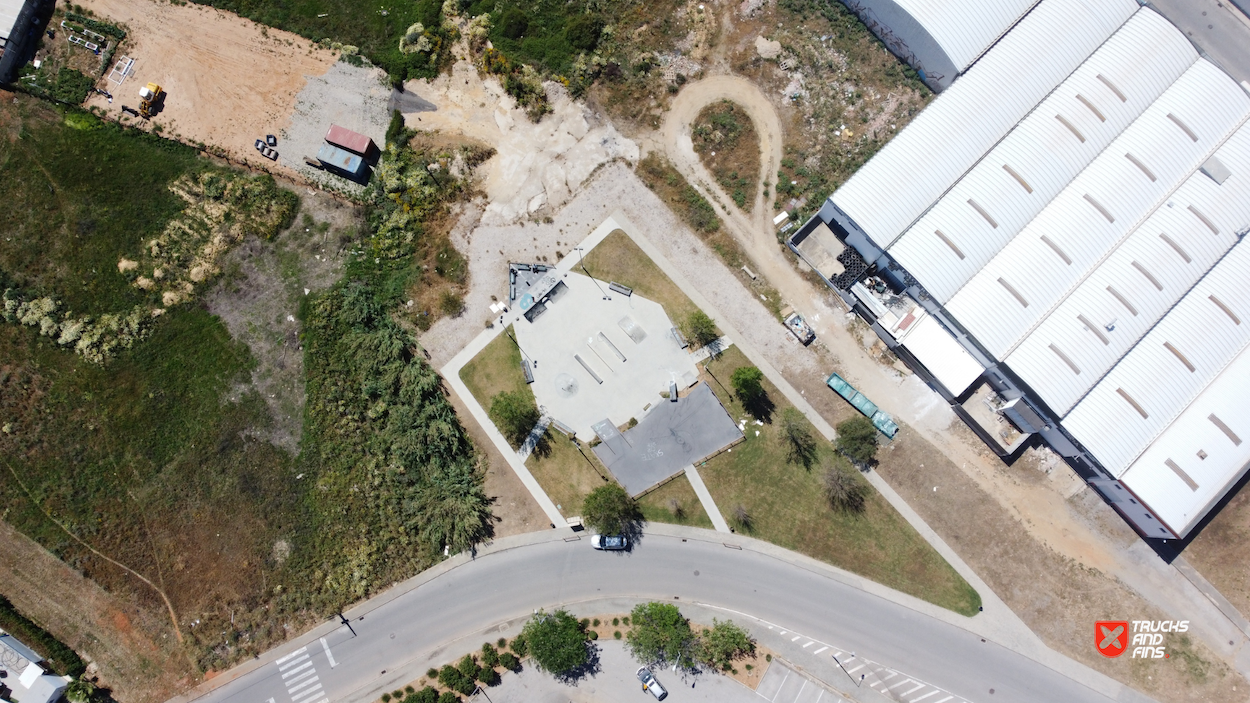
x,y
614,543
650,685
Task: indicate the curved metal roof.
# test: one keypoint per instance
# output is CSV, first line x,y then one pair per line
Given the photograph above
x,y
966,29
1154,383
1032,164
1020,286
902,181
1124,297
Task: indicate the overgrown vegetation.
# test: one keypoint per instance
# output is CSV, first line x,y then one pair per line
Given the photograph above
x,y
377,414
63,660
408,40
725,140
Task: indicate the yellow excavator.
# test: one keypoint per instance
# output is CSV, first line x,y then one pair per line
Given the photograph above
x,y
150,98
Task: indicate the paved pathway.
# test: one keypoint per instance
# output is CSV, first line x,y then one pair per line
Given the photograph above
x,y
705,497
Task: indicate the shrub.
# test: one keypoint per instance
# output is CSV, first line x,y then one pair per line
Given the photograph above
x,y
490,656
800,444
386,698
513,23
448,697
616,621
451,677
595,622
583,33
451,303
502,643
724,643
426,695
409,690
701,328
616,635
489,677
843,489
431,674
556,642
469,668
509,661
609,510
743,519
519,645
857,439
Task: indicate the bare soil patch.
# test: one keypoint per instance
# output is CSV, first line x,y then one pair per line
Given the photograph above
x,y
228,80
259,297
1058,597
1219,551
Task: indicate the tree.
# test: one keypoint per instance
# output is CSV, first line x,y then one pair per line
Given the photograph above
x,y
857,439
509,661
469,668
556,642
426,695
661,635
79,691
515,414
448,697
452,678
701,328
609,510
746,383
490,655
799,442
843,489
724,644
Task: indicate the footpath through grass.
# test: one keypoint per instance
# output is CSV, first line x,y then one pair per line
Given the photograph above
x,y
785,505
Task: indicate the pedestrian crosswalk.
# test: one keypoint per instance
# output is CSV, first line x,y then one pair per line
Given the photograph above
x,y
300,679
866,673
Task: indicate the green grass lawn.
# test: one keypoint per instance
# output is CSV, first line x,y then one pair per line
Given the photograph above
x,y
567,474
495,369
658,505
787,507
617,258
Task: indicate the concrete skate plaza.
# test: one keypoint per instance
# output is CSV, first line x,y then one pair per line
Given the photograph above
x,y
579,324
672,437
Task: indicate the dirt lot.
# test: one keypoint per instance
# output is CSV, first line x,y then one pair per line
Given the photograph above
x,y
228,80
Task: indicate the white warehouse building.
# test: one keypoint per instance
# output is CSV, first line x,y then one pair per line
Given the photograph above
x,y
939,38
1065,224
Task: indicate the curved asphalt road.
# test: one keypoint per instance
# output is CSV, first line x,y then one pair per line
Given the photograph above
x,y
510,583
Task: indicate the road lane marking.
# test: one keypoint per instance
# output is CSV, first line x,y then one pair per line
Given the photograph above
x,y
930,693
305,665
293,662
784,679
796,639
911,691
855,669
892,675
292,655
306,674
904,682
809,644
801,690
326,646
820,650
944,699
305,684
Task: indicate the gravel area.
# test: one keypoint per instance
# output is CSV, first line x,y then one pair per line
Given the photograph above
x,y
348,96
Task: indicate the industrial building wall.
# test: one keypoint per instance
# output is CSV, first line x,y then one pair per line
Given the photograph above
x,y
23,38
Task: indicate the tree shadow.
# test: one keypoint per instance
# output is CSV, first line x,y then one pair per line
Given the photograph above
x,y
761,407
591,668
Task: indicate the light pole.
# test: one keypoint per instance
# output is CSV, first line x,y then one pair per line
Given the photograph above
x,y
478,689
582,255
518,347
848,674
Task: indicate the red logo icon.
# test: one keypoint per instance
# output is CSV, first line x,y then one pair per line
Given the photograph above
x,y
1111,637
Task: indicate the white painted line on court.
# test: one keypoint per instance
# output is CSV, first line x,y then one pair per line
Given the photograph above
x,y
296,653
326,646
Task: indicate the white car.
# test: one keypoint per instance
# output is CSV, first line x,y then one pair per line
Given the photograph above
x,y
650,685
613,543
